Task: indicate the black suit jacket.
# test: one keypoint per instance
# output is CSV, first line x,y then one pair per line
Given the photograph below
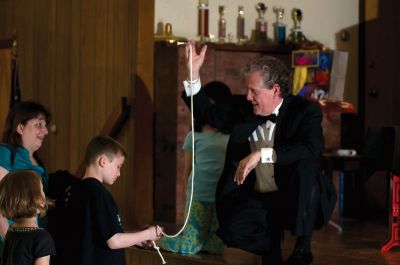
x,y
298,144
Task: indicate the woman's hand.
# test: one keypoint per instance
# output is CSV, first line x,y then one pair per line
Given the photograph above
x,y
197,59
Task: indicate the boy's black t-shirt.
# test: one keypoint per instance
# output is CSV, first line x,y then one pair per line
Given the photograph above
x,y
93,218
23,247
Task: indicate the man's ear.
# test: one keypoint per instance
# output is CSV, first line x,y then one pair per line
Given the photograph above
x,y
277,89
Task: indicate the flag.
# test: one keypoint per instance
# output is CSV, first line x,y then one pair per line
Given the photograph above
x,y
15,89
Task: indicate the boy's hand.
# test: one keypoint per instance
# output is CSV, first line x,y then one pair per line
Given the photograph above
x,y
197,59
154,232
148,244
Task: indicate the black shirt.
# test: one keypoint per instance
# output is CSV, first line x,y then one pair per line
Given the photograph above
x,y
23,246
92,219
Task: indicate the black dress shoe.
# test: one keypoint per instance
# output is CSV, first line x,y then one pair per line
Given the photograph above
x,y
299,257
271,260
274,257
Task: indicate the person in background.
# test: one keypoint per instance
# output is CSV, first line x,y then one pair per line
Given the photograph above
x,y
209,151
25,130
92,230
21,199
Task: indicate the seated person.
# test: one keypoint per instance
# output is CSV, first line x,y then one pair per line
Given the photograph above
x,y
209,151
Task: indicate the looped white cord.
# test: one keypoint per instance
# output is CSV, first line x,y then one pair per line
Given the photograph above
x,y
191,192
192,124
159,252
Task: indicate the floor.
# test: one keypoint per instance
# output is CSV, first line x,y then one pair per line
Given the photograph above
x,y
358,244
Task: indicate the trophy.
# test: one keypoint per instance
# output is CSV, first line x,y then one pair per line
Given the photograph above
x,y
221,24
297,35
240,25
203,13
261,24
259,34
279,26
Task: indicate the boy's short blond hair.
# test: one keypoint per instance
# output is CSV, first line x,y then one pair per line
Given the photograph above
x,y
21,195
103,145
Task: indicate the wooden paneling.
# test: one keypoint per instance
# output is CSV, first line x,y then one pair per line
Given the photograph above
x,y
142,78
5,81
78,58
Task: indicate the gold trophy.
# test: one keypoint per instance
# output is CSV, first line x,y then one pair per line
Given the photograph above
x,y
240,34
297,35
221,24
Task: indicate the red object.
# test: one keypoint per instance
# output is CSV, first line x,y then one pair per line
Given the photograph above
x,y
322,77
203,21
394,216
336,106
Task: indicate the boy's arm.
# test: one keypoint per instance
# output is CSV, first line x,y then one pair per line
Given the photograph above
x,y
124,240
42,260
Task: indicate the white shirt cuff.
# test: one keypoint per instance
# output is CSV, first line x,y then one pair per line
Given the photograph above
x,y
192,88
267,155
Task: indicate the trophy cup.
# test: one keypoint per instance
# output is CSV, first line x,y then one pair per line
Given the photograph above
x,y
203,14
279,26
261,24
297,35
259,34
240,25
221,24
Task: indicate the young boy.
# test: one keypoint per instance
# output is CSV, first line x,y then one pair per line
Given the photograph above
x,y
93,232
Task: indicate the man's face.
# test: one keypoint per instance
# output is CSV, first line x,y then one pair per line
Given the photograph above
x,y
263,99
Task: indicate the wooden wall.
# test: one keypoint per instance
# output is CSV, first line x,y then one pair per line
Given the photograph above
x,y
78,58
5,80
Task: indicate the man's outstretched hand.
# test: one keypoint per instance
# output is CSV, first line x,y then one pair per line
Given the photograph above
x,y
197,59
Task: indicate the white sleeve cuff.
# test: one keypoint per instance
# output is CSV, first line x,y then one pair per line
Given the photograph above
x,y
192,88
267,155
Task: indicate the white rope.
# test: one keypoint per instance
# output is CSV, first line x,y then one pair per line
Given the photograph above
x,y
159,252
191,192
192,124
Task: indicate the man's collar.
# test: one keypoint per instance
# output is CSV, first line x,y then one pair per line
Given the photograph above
x,y
276,110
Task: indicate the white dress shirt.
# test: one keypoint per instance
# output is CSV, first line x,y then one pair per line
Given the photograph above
x,y
261,139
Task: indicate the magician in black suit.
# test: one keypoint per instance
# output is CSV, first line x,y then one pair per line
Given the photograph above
x,y
272,178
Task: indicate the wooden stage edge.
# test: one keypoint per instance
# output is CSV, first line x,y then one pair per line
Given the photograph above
x,y
358,244
150,257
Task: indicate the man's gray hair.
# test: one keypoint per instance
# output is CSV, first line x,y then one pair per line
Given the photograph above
x,y
273,71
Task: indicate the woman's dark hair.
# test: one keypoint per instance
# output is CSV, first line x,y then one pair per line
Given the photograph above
x,y
21,113
219,93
